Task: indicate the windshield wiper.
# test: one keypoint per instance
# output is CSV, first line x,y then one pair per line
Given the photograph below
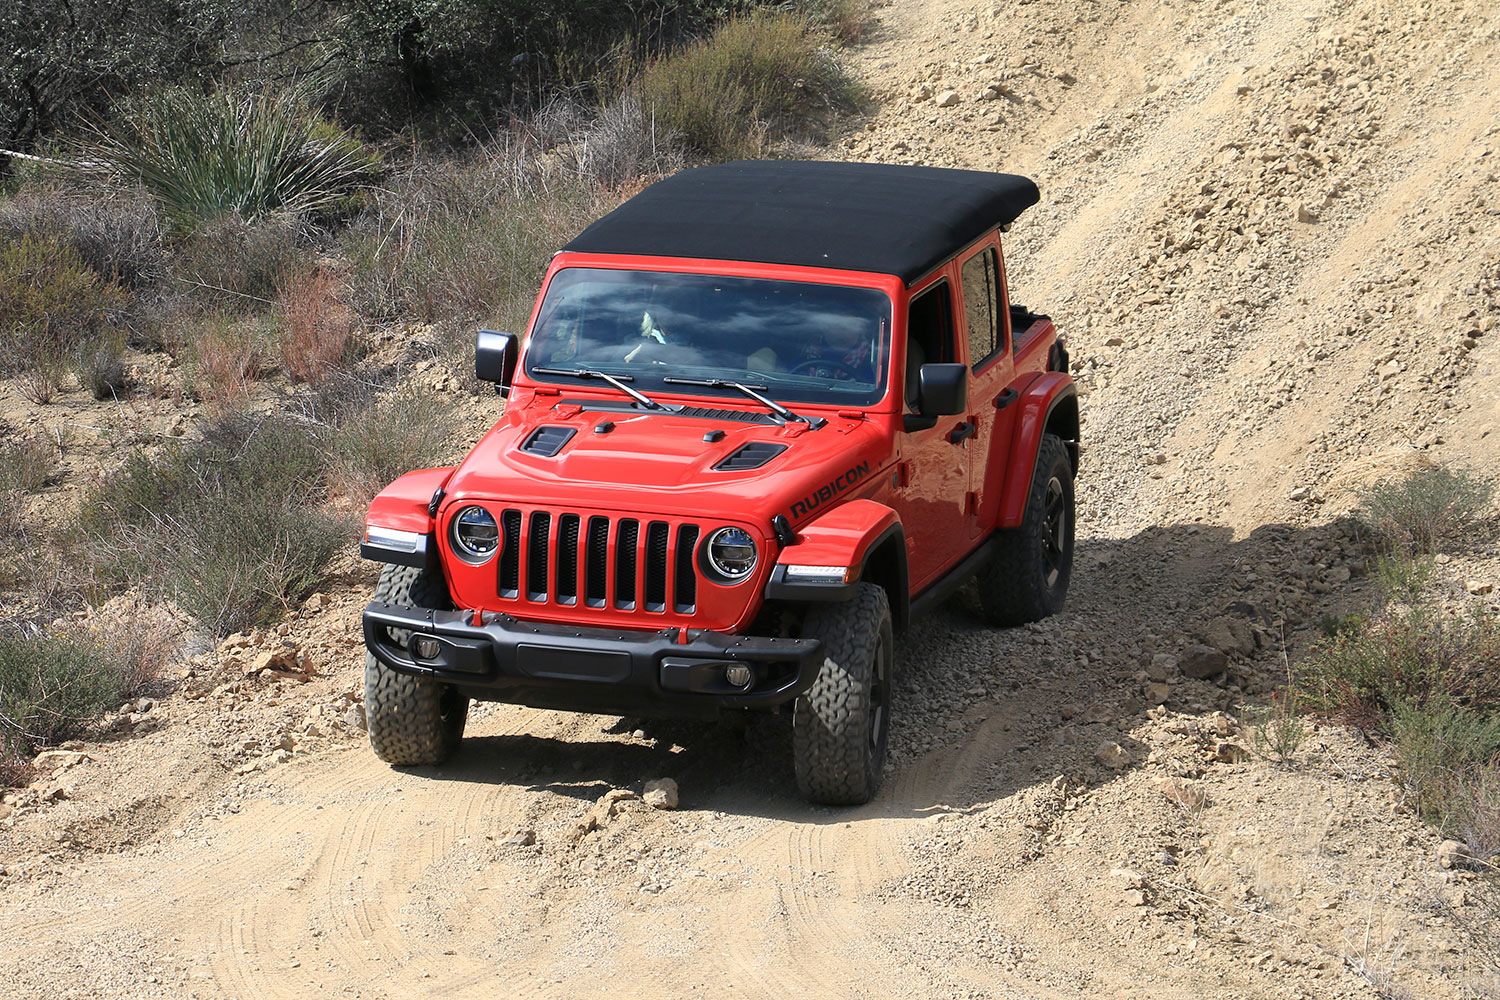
x,y
748,390
618,381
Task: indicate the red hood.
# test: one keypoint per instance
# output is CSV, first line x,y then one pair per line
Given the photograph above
x,y
660,463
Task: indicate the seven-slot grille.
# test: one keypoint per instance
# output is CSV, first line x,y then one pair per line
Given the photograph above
x,y
595,561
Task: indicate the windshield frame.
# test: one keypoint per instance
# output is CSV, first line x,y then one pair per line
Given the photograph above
x,y
879,398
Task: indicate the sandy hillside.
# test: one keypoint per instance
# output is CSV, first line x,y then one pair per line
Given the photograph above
x,y
1271,234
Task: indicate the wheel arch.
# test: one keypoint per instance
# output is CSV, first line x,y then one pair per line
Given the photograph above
x,y
866,539
1049,405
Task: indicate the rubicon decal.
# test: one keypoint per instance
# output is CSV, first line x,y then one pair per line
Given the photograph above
x,y
829,490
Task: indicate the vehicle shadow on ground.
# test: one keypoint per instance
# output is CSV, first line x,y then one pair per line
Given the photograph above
x,y
981,712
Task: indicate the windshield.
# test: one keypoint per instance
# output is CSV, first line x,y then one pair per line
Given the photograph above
x,y
798,341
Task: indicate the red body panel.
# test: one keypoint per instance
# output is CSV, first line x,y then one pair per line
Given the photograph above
x,y
842,537
403,504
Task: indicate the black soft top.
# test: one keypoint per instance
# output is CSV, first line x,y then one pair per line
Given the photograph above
x,y
853,216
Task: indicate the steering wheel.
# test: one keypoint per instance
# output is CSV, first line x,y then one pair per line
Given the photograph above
x,y
840,370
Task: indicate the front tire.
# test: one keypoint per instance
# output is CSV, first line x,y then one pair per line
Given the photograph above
x,y
411,720
839,727
1027,580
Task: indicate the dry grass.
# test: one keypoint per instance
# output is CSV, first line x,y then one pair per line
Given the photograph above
x,y
224,353
317,327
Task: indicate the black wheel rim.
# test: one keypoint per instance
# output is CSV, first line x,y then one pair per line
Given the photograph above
x,y
1054,531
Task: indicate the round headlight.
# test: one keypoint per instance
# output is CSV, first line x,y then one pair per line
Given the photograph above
x,y
476,536
731,552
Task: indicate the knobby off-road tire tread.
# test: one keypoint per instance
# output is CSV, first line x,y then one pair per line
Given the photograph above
x,y
404,713
831,749
1012,586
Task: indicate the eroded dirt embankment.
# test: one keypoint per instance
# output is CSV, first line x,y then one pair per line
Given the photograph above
x,y
1272,235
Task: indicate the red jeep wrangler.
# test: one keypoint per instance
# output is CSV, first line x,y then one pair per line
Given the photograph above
x,y
765,413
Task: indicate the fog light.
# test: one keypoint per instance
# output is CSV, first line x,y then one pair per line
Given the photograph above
x,y
738,675
426,648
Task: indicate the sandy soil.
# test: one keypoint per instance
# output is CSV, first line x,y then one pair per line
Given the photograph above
x,y
1271,233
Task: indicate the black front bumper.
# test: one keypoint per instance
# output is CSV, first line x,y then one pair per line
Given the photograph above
x,y
615,671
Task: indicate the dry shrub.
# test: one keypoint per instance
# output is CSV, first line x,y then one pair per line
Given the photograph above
x,y
617,145
25,467
462,240
231,527
317,328
845,20
102,370
52,309
754,82
233,265
373,445
54,680
116,232
1426,508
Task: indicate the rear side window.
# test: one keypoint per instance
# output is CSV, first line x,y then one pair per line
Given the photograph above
x,y
981,309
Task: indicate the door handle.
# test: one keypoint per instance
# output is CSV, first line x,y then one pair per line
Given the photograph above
x,y
1006,398
959,433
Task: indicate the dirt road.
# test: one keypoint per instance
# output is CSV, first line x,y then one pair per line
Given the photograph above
x,y
1272,234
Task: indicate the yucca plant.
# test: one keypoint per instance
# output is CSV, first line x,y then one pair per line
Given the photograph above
x,y
251,154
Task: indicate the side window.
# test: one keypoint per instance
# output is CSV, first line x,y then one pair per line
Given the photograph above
x,y
981,279
929,334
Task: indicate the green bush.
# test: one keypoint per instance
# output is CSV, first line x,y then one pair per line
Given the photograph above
x,y
231,153
54,681
1430,683
1407,659
231,526
1443,749
1426,508
52,309
461,240
753,82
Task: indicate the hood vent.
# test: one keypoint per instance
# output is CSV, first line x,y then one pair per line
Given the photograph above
x,y
548,441
750,456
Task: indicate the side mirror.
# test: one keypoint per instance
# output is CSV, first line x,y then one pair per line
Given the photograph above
x,y
942,390
495,359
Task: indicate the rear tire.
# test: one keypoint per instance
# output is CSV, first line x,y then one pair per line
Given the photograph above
x,y
411,720
1028,577
1027,580
839,727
